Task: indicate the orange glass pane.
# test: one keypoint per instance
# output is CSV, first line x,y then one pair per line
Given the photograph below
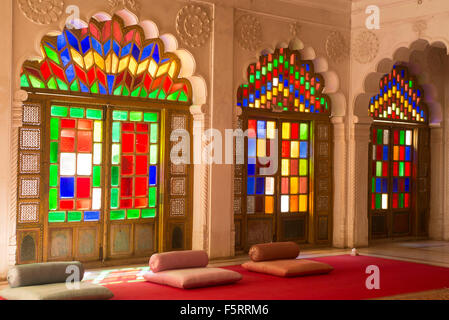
x,y
84,141
302,203
293,203
269,205
303,182
84,204
85,124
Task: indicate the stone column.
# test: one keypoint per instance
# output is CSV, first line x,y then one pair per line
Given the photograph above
x,y
437,175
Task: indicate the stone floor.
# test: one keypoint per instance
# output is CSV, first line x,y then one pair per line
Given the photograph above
x,y
422,251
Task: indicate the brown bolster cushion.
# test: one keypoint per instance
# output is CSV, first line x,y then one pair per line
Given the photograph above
x,y
274,251
178,260
288,268
193,277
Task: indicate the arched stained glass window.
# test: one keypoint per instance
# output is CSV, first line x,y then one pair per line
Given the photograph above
x,y
400,98
107,58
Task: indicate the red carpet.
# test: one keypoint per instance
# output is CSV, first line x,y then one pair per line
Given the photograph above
x,y
347,281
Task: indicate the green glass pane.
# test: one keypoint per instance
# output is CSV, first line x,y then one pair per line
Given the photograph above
x,y
24,81
54,128
58,111
162,95
94,114
54,175
378,201
312,91
251,78
281,59
54,148
304,131
275,63
401,200
379,168
133,214
173,96
135,93
115,154
307,85
118,91
114,199
62,85
373,185
52,54
379,136
115,174
143,93
153,154
401,169
94,88
303,167
96,176
77,112
56,216
183,97
402,137
154,135
75,86
152,197
135,116
53,199
150,117
302,80
74,216
270,67
36,83
148,213
120,115
117,215
125,92
116,132
153,95
297,75
52,84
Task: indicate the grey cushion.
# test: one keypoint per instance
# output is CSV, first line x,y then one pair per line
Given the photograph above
x,y
42,273
58,291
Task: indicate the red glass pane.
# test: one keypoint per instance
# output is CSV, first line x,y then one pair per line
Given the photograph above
x,y
126,126
126,203
83,204
83,187
395,169
294,167
406,200
141,186
385,169
252,128
45,70
401,185
142,127
141,203
395,200
57,71
396,137
126,187
142,143
68,123
284,186
127,142
127,165
84,141
285,149
408,170
402,153
142,165
85,124
91,76
379,152
67,204
373,201
67,140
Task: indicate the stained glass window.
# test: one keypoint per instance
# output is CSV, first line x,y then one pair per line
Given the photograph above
x,y
402,168
76,147
380,169
399,99
282,81
106,58
134,164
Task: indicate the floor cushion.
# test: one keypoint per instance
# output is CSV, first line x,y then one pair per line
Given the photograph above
x,y
58,291
178,260
194,277
289,267
43,273
274,251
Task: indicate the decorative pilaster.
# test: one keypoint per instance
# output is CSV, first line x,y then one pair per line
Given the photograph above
x,y
437,219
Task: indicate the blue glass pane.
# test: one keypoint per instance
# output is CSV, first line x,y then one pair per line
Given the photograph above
x,y
67,188
70,73
384,185
385,153
61,42
407,185
116,48
85,45
156,56
65,57
395,185
107,47
136,52
250,186
72,40
303,149
111,79
260,185
252,160
252,147
261,129
91,215
97,46
146,52
126,50
408,154
83,87
102,89
153,175
378,185
251,169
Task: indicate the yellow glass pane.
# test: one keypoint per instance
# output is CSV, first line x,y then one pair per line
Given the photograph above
x,y
99,61
172,70
108,63
98,131
77,58
286,130
294,185
89,60
294,204
269,205
285,167
143,66
385,201
294,149
133,66
271,130
302,203
261,148
114,63
395,153
152,68
303,166
123,64
163,69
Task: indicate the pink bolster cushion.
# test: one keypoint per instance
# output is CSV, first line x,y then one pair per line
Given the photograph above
x,y
178,260
274,251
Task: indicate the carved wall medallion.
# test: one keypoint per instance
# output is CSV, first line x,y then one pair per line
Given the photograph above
x,y
366,47
295,28
249,32
336,46
193,25
132,5
42,11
